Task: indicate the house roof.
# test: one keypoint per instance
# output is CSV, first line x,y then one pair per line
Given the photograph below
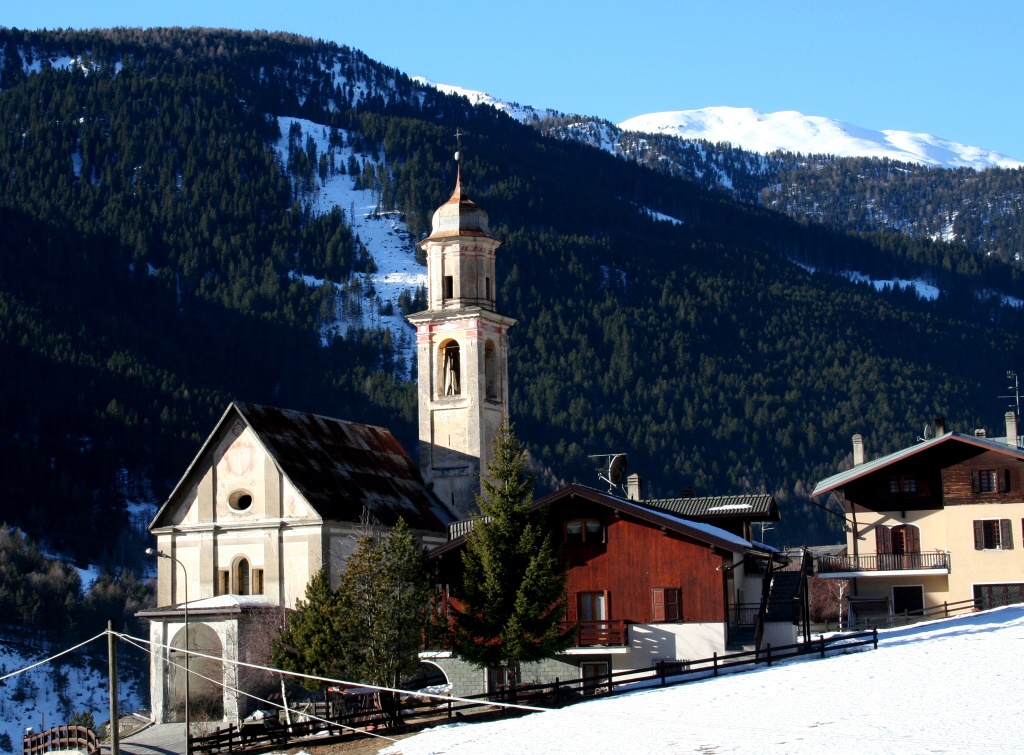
x,y
339,467
843,478
701,531
759,507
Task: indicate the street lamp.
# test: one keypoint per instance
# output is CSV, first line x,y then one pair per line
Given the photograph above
x,y
161,554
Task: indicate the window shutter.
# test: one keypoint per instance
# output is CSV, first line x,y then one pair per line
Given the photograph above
x,y
1005,535
1004,480
571,614
975,481
673,604
607,605
883,540
658,604
912,535
979,535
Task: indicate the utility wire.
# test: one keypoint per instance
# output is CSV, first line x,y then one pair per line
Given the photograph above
x,y
279,706
329,680
53,657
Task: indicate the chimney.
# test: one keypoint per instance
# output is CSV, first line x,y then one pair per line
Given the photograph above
x,y
858,450
634,487
980,433
940,425
1011,429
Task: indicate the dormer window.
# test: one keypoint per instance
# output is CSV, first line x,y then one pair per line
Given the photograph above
x,y
588,531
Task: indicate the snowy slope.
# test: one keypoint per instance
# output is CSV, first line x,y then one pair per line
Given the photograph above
x,y
791,131
942,687
522,113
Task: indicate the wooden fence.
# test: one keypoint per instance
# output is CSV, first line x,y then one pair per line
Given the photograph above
x,y
61,738
553,694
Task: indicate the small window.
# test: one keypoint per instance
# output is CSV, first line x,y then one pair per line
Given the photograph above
x,y
666,604
987,481
993,535
449,287
487,288
257,581
240,500
224,582
584,531
242,577
902,486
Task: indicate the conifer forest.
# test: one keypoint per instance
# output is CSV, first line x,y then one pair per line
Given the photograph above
x,y
152,244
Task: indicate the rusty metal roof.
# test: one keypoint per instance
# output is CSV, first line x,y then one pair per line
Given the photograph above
x,y
752,508
339,467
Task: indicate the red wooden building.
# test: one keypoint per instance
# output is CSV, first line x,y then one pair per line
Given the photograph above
x,y
644,585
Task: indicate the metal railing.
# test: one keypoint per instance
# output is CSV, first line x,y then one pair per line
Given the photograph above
x,y
884,562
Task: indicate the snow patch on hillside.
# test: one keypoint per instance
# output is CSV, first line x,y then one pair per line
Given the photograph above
x,y
369,301
791,131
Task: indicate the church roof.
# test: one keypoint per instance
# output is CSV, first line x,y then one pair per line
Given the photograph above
x,y
459,216
339,467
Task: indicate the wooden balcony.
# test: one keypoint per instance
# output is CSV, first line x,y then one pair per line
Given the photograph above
x,y
875,564
603,633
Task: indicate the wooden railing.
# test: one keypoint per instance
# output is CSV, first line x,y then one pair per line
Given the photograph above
x,y
884,562
603,633
417,713
78,738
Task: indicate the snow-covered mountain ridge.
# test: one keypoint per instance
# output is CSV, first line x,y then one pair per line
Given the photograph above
x,y
790,131
764,133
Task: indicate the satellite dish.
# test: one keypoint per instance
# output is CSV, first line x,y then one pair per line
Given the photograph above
x,y
617,469
928,433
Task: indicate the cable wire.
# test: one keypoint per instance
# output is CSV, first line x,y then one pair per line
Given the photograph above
x,y
53,657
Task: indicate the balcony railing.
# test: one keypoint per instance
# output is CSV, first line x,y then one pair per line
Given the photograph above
x,y
879,562
602,633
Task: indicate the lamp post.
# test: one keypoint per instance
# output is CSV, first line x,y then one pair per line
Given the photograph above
x,y
161,554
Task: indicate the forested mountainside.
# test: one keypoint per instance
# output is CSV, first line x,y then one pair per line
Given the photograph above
x,y
153,241
980,211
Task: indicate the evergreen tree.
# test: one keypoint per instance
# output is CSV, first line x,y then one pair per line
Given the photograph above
x,y
382,598
308,643
513,593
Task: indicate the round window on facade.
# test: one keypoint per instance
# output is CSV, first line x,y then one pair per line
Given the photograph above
x,y
240,500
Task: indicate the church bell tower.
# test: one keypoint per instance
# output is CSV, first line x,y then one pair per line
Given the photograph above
x,y
462,353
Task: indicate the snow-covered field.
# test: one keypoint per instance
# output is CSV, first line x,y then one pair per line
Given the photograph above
x,y
942,687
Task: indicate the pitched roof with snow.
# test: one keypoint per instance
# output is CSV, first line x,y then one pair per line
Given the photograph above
x,y
339,467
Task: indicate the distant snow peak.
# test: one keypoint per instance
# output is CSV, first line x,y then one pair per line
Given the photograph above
x,y
790,131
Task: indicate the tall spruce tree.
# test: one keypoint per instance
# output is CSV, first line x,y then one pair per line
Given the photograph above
x,y
513,592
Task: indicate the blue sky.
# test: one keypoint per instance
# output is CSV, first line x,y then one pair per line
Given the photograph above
x,y
952,69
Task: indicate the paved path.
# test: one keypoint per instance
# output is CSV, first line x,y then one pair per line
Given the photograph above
x,y
161,739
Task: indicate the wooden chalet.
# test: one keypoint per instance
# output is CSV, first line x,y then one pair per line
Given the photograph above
x,y
933,525
644,585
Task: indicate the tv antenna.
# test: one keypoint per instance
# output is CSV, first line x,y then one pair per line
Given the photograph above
x,y
1011,378
612,470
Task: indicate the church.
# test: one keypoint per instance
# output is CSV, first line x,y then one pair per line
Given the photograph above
x,y
274,495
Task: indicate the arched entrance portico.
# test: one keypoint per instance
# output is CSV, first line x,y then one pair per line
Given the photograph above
x,y
206,695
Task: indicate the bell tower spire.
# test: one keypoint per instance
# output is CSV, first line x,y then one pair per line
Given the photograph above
x,y
462,352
